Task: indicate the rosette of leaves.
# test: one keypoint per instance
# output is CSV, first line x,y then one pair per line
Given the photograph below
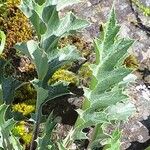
x,y
105,99
44,52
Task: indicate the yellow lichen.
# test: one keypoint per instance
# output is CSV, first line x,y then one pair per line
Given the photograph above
x,y
23,132
23,108
64,75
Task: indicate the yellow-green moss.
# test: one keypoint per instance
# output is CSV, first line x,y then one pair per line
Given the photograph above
x,y
23,108
64,75
144,9
25,100
26,93
12,3
3,56
22,131
29,67
3,8
27,137
15,24
85,75
85,71
17,29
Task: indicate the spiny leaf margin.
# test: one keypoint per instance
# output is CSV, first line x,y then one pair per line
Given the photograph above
x,y
108,73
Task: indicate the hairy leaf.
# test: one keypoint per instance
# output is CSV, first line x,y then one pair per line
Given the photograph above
x,y
120,111
65,55
44,52
46,21
45,142
106,98
7,139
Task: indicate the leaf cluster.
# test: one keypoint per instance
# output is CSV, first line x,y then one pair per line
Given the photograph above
x,y
106,102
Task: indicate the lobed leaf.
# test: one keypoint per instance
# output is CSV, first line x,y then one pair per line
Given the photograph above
x,y
105,98
47,23
7,139
44,142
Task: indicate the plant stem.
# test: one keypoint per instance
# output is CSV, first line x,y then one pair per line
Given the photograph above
x,y
36,129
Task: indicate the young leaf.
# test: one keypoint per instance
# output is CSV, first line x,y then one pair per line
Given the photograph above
x,y
48,25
